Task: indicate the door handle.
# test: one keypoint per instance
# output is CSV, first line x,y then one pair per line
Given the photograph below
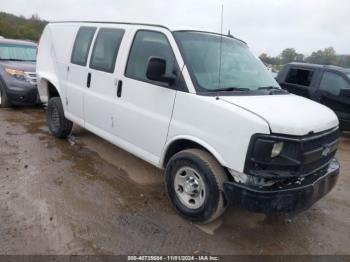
x,y
120,88
88,83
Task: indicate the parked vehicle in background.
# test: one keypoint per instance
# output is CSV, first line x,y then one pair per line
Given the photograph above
x,y
17,73
273,72
328,85
218,123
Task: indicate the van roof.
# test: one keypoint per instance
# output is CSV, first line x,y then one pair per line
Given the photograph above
x,y
332,67
172,28
16,42
168,27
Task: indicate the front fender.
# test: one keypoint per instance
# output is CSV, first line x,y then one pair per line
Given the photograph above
x,y
196,140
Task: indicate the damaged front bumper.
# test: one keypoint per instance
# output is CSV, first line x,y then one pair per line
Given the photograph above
x,y
293,198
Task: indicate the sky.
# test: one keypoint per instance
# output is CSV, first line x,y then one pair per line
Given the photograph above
x,y
266,25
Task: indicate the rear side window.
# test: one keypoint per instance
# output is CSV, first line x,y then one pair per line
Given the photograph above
x,y
333,83
106,49
82,45
299,77
147,44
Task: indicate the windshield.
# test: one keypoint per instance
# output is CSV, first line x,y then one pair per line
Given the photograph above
x,y
17,52
240,69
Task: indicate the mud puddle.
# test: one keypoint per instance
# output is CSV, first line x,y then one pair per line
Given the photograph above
x,y
94,158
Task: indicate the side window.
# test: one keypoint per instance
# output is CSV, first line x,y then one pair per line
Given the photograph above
x,y
333,83
106,49
299,77
82,45
147,44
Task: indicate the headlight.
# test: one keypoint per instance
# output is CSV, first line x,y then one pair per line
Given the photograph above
x,y
271,154
266,149
277,149
19,74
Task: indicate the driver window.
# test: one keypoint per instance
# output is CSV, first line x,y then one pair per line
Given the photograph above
x,y
333,83
147,44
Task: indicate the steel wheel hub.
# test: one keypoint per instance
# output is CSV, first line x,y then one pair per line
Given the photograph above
x,y
190,188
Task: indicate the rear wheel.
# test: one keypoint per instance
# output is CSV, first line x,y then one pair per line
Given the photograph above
x,y
4,101
194,182
58,124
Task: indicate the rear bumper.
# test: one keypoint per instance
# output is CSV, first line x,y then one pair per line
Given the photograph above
x,y
24,96
285,200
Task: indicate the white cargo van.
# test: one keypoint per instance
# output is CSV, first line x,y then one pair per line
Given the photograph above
x,y
199,105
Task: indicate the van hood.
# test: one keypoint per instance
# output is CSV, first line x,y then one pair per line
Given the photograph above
x,y
287,114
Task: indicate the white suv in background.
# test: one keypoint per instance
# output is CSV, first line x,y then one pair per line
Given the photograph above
x,y
199,105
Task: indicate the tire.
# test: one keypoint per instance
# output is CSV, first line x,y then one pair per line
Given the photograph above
x,y
204,207
4,101
58,124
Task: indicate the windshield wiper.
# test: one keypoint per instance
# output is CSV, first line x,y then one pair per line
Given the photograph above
x,y
273,90
230,89
270,88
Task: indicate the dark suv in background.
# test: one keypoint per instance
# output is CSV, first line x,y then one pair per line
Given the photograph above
x,y
17,73
328,85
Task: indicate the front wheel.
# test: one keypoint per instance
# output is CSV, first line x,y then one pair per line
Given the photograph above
x,y
58,124
194,181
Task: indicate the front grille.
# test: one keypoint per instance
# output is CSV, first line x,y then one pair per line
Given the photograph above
x,y
300,157
320,140
31,77
321,163
319,144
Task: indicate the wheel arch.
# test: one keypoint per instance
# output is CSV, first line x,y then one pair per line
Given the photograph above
x,y
181,143
48,89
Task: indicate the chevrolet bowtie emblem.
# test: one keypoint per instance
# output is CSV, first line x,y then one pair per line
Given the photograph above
x,y
326,150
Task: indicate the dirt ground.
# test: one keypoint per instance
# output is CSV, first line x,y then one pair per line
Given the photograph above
x,y
86,196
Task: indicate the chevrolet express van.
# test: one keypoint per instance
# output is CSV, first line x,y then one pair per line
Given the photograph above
x,y
199,105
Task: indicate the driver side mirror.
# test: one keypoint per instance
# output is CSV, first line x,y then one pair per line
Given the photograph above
x,y
156,71
345,93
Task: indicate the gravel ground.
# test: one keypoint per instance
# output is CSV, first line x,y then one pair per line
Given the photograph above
x,y
86,196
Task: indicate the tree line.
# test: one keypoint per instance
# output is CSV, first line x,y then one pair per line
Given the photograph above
x,y
19,27
327,56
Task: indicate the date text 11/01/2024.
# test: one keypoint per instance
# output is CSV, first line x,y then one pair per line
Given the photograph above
x,y
173,258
